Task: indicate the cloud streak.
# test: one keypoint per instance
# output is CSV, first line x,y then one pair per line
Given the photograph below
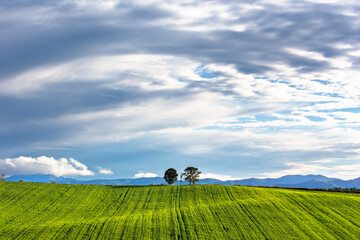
x,y
260,84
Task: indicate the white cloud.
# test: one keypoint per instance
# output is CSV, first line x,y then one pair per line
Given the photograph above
x,y
105,171
217,176
296,168
212,140
342,171
141,174
160,95
43,165
150,72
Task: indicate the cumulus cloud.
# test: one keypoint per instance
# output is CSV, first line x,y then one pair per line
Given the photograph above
x,y
105,171
43,165
141,174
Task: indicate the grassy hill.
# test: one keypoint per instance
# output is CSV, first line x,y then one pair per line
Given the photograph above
x,y
56,211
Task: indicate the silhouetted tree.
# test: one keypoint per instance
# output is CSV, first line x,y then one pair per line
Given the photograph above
x,y
170,176
191,175
2,178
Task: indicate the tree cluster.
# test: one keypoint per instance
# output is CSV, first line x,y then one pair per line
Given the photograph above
x,y
348,190
190,174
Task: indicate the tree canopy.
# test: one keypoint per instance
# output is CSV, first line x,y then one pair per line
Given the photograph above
x,y
170,176
191,174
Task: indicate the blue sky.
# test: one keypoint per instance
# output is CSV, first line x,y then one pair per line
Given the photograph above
x,y
112,89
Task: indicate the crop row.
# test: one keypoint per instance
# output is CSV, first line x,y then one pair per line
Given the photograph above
x,y
59,211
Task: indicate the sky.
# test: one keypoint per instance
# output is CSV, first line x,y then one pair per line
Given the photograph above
x,y
123,89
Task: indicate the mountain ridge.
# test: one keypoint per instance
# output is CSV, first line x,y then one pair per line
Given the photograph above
x,y
295,181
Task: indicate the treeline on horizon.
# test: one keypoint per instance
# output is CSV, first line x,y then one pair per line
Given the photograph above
x,y
335,189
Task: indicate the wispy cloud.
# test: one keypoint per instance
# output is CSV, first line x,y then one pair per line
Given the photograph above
x,y
272,82
343,171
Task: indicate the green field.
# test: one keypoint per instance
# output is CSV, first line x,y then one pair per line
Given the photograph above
x,y
57,211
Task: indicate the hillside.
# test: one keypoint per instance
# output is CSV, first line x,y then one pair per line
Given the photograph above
x,y
59,211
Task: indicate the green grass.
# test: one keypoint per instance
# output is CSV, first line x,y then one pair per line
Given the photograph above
x,y
56,211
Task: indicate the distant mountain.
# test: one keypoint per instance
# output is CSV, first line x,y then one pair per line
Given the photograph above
x,y
124,181
301,181
285,181
49,178
292,181
43,178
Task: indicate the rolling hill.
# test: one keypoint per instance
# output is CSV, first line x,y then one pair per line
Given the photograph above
x,y
62,211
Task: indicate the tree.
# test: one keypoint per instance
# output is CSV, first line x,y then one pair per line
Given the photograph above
x,y
191,175
170,176
2,178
